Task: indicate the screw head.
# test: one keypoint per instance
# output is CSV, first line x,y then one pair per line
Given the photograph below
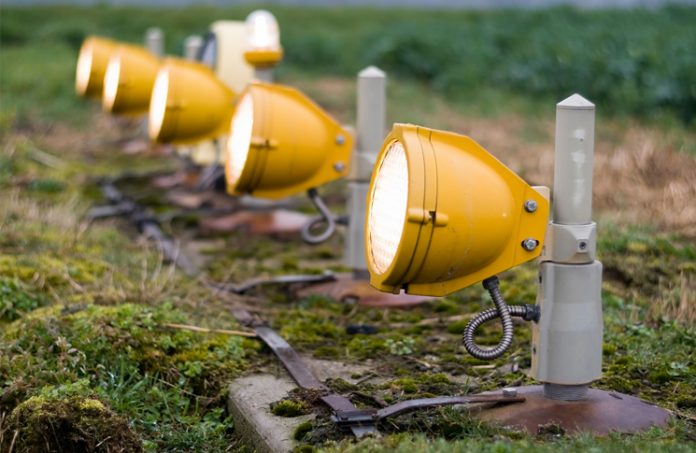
x,y
339,166
530,244
340,139
510,392
530,205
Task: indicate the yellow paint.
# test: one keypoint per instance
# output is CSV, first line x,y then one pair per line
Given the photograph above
x,y
263,58
197,105
465,217
136,69
295,145
91,65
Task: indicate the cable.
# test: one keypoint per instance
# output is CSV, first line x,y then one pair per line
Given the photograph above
x,y
502,311
326,217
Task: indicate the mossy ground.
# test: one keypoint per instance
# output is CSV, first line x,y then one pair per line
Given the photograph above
x,y
84,308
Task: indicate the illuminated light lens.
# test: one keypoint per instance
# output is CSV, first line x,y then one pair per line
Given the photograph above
x,y
84,68
263,31
111,80
158,103
388,209
240,138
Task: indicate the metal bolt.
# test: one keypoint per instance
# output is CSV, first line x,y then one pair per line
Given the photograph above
x,y
582,245
340,139
339,166
509,392
529,244
530,205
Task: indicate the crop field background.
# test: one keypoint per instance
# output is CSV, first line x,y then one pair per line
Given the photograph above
x,y
88,356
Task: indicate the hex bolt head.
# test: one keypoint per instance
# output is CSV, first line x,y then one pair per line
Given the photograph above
x,y
509,392
530,244
530,205
340,139
339,166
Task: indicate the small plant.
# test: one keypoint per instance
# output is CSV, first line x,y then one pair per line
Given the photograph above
x,y
400,347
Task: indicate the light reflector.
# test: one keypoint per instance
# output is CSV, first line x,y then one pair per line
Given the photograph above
x,y
158,102
240,138
389,204
111,79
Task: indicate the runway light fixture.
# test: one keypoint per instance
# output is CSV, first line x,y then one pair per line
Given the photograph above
x,y
129,79
188,103
444,214
91,65
264,49
282,143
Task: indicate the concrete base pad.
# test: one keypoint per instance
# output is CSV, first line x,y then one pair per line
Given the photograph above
x,y
250,401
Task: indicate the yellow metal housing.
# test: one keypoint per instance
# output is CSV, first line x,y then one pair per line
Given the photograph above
x,y
263,58
465,218
188,103
294,145
91,66
229,42
130,76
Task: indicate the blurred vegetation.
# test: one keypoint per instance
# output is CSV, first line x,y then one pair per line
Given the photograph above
x,y
84,341
635,62
87,359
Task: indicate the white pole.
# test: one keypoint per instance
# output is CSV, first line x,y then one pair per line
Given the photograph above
x,y
154,41
264,74
371,122
192,47
567,341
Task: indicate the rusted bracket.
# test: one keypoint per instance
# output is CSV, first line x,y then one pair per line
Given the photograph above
x,y
367,417
253,283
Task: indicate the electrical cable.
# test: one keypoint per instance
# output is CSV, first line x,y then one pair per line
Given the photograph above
x,y
505,313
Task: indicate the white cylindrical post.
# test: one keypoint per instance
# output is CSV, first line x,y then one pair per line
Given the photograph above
x,y
567,341
192,47
371,122
572,177
264,74
154,41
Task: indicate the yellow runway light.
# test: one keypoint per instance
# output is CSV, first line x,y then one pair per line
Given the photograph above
x,y
282,143
188,103
91,66
444,214
264,49
130,76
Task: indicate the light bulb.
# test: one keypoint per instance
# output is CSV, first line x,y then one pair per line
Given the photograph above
x,y
388,209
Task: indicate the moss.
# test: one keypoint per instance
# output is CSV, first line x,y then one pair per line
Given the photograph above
x,y
16,299
112,352
74,423
289,408
302,430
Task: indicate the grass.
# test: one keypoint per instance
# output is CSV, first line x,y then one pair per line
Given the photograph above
x,y
86,358
628,62
84,341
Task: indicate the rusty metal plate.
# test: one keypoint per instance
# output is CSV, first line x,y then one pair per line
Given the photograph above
x,y
348,289
277,222
601,413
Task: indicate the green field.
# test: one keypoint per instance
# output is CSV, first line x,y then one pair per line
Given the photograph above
x,y
88,357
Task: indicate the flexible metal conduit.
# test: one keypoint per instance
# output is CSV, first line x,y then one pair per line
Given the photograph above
x,y
505,313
